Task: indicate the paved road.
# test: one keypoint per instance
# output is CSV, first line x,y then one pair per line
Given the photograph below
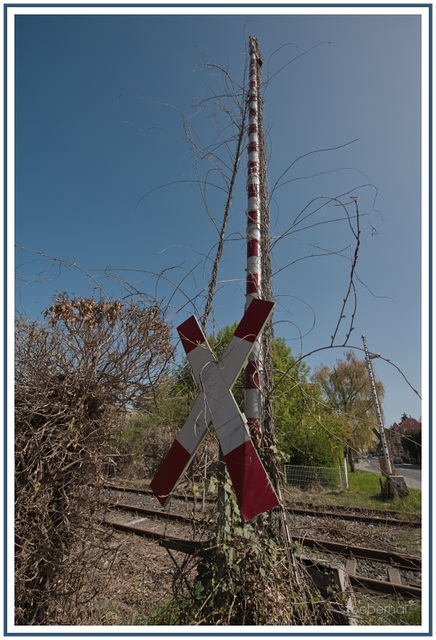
x,y
410,472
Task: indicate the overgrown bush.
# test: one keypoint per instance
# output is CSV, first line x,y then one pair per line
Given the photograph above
x,y
75,375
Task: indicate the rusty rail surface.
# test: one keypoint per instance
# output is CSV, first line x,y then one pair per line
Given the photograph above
x,y
382,586
356,517
154,513
403,561
196,547
366,515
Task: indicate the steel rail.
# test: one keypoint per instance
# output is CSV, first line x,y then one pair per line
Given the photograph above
x,y
389,557
385,587
128,528
354,517
149,492
345,508
197,547
154,513
392,558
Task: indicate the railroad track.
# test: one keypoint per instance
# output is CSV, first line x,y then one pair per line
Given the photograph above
x,y
363,515
373,518
148,523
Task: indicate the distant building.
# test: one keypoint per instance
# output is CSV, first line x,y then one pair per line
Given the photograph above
x,y
395,434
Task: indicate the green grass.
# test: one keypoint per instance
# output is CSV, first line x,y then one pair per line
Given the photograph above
x,y
166,613
364,491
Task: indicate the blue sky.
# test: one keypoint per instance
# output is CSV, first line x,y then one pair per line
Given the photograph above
x,y
94,136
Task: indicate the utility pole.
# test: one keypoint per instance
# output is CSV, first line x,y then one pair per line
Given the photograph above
x,y
386,456
396,484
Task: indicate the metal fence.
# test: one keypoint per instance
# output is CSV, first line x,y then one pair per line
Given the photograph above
x,y
306,477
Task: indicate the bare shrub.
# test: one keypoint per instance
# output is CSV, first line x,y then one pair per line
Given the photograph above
x,y
75,375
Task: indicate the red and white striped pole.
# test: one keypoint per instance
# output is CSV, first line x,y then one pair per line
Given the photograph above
x,y
252,395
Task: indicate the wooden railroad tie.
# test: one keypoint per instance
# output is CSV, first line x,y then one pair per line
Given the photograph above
x,y
350,566
394,575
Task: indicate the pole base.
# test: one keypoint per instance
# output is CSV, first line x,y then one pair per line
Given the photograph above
x,y
394,487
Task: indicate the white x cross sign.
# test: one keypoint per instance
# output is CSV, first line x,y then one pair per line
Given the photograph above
x,y
216,404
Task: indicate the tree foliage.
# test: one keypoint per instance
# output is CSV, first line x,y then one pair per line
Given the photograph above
x,y
346,388
308,432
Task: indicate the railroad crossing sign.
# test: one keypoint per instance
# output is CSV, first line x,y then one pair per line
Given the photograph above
x,y
216,404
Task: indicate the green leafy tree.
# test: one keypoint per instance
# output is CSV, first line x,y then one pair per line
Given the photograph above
x,y
347,389
309,432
